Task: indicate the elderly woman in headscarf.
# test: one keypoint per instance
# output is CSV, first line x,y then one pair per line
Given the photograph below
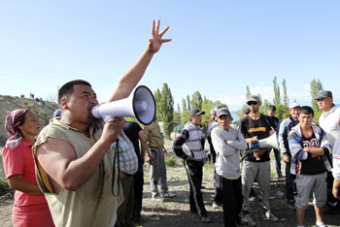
x,y
30,206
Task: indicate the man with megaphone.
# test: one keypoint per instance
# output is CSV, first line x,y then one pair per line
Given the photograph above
x,y
73,158
256,166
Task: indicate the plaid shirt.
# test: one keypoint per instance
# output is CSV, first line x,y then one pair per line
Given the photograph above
x,y
128,161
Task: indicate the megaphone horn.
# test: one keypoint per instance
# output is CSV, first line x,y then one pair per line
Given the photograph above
x,y
270,142
140,104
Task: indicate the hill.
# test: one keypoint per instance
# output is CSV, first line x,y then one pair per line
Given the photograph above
x,y
43,109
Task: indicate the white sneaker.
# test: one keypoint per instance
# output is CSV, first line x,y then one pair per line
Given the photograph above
x,y
216,205
271,216
320,224
167,195
155,196
247,220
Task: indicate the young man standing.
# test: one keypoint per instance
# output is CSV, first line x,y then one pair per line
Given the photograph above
x,y
189,146
285,128
271,113
309,146
256,166
155,141
228,142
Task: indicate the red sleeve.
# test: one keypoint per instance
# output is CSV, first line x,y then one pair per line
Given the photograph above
x,y
13,162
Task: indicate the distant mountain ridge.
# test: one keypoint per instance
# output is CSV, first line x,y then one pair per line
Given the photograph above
x,y
44,109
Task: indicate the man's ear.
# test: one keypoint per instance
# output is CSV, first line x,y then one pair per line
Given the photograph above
x,y
64,102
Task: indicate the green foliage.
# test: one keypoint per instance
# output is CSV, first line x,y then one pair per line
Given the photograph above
x,y
158,97
277,95
239,113
285,94
317,115
264,107
170,162
185,116
166,110
188,102
184,105
315,87
196,100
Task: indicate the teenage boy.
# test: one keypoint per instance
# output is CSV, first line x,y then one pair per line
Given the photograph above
x,y
228,142
309,146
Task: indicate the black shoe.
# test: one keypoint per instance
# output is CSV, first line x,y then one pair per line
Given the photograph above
x,y
206,219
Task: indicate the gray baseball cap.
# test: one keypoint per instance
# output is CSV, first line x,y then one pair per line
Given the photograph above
x,y
222,111
324,94
195,112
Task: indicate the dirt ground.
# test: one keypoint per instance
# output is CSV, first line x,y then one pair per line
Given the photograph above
x,y
174,212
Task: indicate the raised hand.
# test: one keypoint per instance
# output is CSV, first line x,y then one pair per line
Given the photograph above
x,y
156,40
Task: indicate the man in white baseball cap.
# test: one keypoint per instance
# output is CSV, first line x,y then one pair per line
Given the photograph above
x,y
285,128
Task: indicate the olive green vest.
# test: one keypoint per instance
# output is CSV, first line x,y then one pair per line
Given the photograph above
x,y
93,203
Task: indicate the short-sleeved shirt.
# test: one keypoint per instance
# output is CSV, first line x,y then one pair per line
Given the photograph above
x,y
330,122
259,128
20,162
311,166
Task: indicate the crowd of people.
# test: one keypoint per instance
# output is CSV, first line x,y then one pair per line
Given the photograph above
x,y
82,167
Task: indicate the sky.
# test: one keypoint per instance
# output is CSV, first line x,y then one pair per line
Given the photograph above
x,y
218,47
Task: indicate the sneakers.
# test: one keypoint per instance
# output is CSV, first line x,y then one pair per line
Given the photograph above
x,y
291,206
167,195
271,216
216,205
320,224
155,196
247,220
205,219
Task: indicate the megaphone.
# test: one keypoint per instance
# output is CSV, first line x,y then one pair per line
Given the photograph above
x,y
270,142
140,104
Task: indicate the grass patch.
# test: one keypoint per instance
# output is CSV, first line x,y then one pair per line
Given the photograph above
x,y
170,162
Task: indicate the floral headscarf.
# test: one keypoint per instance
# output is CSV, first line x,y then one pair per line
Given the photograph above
x,y
13,120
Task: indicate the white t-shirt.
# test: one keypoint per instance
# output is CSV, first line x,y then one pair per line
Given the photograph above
x,y
330,122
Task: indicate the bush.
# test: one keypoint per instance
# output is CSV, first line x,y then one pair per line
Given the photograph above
x,y
170,162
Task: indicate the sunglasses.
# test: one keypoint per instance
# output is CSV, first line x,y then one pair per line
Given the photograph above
x,y
251,103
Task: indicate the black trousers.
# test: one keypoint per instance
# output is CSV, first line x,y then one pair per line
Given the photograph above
x,y
138,191
231,192
195,174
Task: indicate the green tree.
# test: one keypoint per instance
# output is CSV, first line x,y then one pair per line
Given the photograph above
x,y
184,105
188,102
167,110
277,95
315,87
158,97
196,100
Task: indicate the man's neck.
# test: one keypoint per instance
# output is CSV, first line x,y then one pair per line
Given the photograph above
x,y
306,130
327,111
84,128
255,116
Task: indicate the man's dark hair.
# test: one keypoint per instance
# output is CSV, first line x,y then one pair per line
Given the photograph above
x,y
306,110
272,108
67,89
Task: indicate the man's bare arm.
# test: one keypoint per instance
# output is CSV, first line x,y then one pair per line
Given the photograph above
x,y
132,76
59,161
